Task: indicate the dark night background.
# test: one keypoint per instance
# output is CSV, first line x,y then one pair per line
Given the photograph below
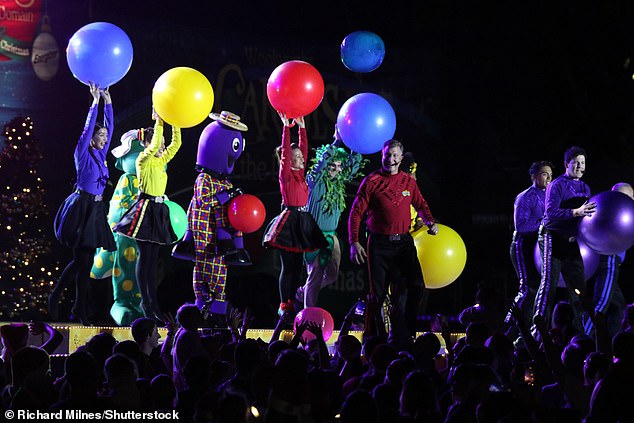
x,y
480,88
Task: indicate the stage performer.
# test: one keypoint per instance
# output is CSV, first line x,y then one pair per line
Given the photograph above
x,y
527,216
566,204
148,219
294,231
81,222
216,243
386,196
327,178
121,264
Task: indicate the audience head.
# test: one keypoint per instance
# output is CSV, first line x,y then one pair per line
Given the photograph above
x,y
275,348
14,337
30,366
595,367
81,371
418,395
163,392
359,406
189,317
477,334
427,345
623,346
145,333
120,370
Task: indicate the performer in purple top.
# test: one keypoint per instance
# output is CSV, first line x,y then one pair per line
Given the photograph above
x,y
566,204
527,216
81,221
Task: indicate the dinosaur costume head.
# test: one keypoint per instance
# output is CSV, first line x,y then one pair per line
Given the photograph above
x,y
131,146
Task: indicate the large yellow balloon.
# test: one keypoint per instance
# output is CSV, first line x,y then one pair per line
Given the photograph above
x,y
183,97
442,257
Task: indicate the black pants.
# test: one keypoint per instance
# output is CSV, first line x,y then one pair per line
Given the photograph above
x,y
521,252
560,256
393,260
290,274
78,270
146,275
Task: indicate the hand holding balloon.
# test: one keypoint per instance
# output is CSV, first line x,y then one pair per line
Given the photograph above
x,y
94,91
587,209
106,95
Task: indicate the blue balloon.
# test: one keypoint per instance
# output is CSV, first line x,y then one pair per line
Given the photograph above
x,y
99,52
365,122
362,51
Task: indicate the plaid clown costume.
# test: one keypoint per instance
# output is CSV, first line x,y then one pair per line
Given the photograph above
x,y
207,219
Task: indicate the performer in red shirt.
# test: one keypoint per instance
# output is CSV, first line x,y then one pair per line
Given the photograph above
x,y
294,231
386,196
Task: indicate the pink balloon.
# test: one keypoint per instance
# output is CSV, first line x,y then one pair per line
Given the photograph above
x,y
590,261
319,316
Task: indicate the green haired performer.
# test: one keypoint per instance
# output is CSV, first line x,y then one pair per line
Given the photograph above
x,y
333,167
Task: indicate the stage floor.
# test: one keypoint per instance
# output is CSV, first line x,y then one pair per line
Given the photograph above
x,y
76,335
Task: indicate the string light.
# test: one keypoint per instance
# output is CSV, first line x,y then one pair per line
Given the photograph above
x,y
25,248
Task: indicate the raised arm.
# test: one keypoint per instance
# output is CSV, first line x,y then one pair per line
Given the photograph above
x,y
108,116
84,140
154,146
174,146
303,137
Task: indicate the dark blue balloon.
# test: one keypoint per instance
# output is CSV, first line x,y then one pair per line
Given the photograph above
x,y
99,52
610,230
362,51
365,122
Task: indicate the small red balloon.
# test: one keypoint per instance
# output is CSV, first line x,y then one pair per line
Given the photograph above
x,y
246,213
295,88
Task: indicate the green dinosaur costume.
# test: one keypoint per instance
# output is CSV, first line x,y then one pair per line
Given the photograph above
x,y
121,264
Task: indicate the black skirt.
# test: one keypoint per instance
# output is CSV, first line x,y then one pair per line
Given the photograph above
x,y
147,220
83,222
294,230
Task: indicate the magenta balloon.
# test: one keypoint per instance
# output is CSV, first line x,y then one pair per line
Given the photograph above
x,y
319,316
590,261
610,230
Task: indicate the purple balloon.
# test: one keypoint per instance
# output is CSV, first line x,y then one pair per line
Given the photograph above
x,y
610,230
590,261
365,122
99,52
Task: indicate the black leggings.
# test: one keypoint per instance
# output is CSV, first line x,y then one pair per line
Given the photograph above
x,y
290,274
77,270
146,275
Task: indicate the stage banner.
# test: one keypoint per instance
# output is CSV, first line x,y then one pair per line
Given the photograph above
x,y
19,21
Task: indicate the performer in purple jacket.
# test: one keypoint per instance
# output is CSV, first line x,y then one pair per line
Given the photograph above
x,y
81,221
527,216
566,204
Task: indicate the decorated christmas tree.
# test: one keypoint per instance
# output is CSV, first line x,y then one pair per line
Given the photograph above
x,y
26,271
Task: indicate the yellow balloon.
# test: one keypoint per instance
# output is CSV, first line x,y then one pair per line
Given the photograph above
x,y
442,257
183,97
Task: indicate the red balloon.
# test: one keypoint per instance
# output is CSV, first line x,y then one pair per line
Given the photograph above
x,y
295,88
246,213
